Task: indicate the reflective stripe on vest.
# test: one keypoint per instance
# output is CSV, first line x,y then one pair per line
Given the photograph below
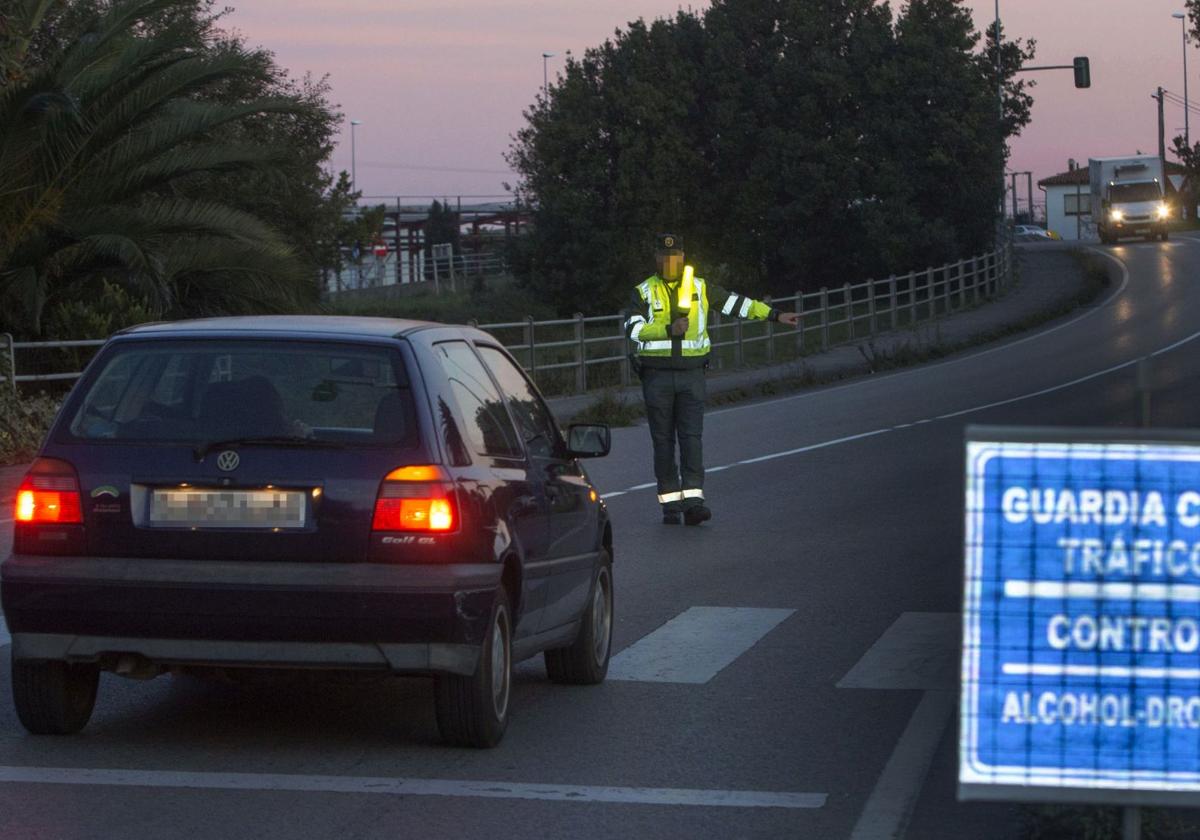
x,y
702,344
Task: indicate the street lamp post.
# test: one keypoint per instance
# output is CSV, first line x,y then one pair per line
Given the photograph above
x,y
545,73
1182,18
353,155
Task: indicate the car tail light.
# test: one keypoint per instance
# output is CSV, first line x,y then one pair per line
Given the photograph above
x,y
416,498
49,495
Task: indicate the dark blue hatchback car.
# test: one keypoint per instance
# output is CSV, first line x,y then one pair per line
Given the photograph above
x,y
308,492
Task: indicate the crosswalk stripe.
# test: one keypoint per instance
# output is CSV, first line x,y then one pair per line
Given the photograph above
x,y
696,645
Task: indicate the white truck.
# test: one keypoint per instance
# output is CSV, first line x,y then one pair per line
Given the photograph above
x,y
1128,197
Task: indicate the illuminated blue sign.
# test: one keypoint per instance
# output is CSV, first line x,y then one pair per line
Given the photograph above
x,y
1081,625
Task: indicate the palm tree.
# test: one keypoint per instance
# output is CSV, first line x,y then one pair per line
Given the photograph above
x,y
104,147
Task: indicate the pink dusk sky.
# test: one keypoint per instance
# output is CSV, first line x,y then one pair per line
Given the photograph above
x,y
440,86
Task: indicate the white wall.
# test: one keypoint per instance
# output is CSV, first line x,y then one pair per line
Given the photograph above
x,y
1057,219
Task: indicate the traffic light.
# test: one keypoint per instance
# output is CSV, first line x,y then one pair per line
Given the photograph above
x,y
1083,72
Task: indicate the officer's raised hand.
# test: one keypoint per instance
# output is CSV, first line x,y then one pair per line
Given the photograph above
x,y
789,318
679,325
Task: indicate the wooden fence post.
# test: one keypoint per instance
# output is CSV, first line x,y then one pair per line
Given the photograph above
x,y
824,318
581,343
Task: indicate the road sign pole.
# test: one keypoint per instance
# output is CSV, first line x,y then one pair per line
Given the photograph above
x,y
1131,823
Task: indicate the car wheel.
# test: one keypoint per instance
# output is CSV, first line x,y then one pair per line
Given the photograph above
x,y
53,697
585,662
473,711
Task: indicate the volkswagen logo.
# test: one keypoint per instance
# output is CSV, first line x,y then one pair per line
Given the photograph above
x,y
228,461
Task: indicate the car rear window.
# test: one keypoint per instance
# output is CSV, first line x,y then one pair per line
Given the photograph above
x,y
198,391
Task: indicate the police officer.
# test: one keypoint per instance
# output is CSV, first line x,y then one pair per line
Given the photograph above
x,y
670,327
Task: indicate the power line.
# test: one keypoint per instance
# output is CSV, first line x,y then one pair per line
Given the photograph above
x,y
375,164
1179,101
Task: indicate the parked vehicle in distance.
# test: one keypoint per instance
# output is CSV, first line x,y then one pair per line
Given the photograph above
x,y
1127,197
1033,233
308,492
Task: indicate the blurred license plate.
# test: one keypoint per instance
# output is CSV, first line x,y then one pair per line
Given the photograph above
x,y
228,508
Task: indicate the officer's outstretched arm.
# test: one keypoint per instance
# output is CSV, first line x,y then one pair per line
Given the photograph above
x,y
740,306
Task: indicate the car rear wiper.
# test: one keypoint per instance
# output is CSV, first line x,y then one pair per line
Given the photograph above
x,y
203,448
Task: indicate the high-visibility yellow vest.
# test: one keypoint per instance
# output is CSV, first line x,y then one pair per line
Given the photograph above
x,y
664,303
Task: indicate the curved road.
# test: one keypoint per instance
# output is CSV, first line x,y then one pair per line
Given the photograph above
x,y
837,522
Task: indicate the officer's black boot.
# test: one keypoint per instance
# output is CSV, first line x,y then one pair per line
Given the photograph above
x,y
697,514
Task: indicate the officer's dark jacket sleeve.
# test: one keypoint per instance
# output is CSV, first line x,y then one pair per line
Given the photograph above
x,y
739,306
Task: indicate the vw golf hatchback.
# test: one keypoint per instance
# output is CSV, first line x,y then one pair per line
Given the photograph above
x,y
308,492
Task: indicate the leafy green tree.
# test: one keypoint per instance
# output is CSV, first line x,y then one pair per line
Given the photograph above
x,y
442,227
1189,156
141,145
793,144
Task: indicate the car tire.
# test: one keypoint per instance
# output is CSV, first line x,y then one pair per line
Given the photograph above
x,y
53,697
585,662
473,711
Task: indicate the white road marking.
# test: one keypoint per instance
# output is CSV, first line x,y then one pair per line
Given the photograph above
x,y
695,645
920,650
409,787
894,796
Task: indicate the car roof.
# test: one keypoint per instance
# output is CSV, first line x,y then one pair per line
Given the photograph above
x,y
295,325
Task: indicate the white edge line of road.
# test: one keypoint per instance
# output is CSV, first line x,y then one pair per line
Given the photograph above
x,y
273,782
1007,345
950,415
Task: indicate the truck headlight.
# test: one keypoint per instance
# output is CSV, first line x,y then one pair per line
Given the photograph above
x,y
1116,216
1163,211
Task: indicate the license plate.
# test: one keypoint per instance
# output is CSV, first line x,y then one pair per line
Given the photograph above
x,y
190,508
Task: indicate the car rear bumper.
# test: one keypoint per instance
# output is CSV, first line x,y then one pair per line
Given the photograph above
x,y
411,618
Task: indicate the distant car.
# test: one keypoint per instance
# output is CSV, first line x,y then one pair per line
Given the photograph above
x,y
1032,233
319,493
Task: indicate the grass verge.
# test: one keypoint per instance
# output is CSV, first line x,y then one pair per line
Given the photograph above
x,y
611,408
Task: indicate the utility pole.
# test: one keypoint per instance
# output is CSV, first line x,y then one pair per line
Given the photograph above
x,y
546,56
1187,137
1162,132
1000,107
353,155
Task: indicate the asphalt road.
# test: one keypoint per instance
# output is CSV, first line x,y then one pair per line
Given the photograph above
x,y
837,513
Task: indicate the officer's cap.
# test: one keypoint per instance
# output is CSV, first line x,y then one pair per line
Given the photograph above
x,y
667,242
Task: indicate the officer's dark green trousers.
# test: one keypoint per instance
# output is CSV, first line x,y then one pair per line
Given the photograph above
x,y
675,411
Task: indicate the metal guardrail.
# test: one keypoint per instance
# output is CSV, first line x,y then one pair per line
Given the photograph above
x,y
572,355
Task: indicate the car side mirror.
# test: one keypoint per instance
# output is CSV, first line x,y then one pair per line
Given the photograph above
x,y
588,440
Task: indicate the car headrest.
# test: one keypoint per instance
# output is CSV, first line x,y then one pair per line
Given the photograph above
x,y
392,418
244,407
